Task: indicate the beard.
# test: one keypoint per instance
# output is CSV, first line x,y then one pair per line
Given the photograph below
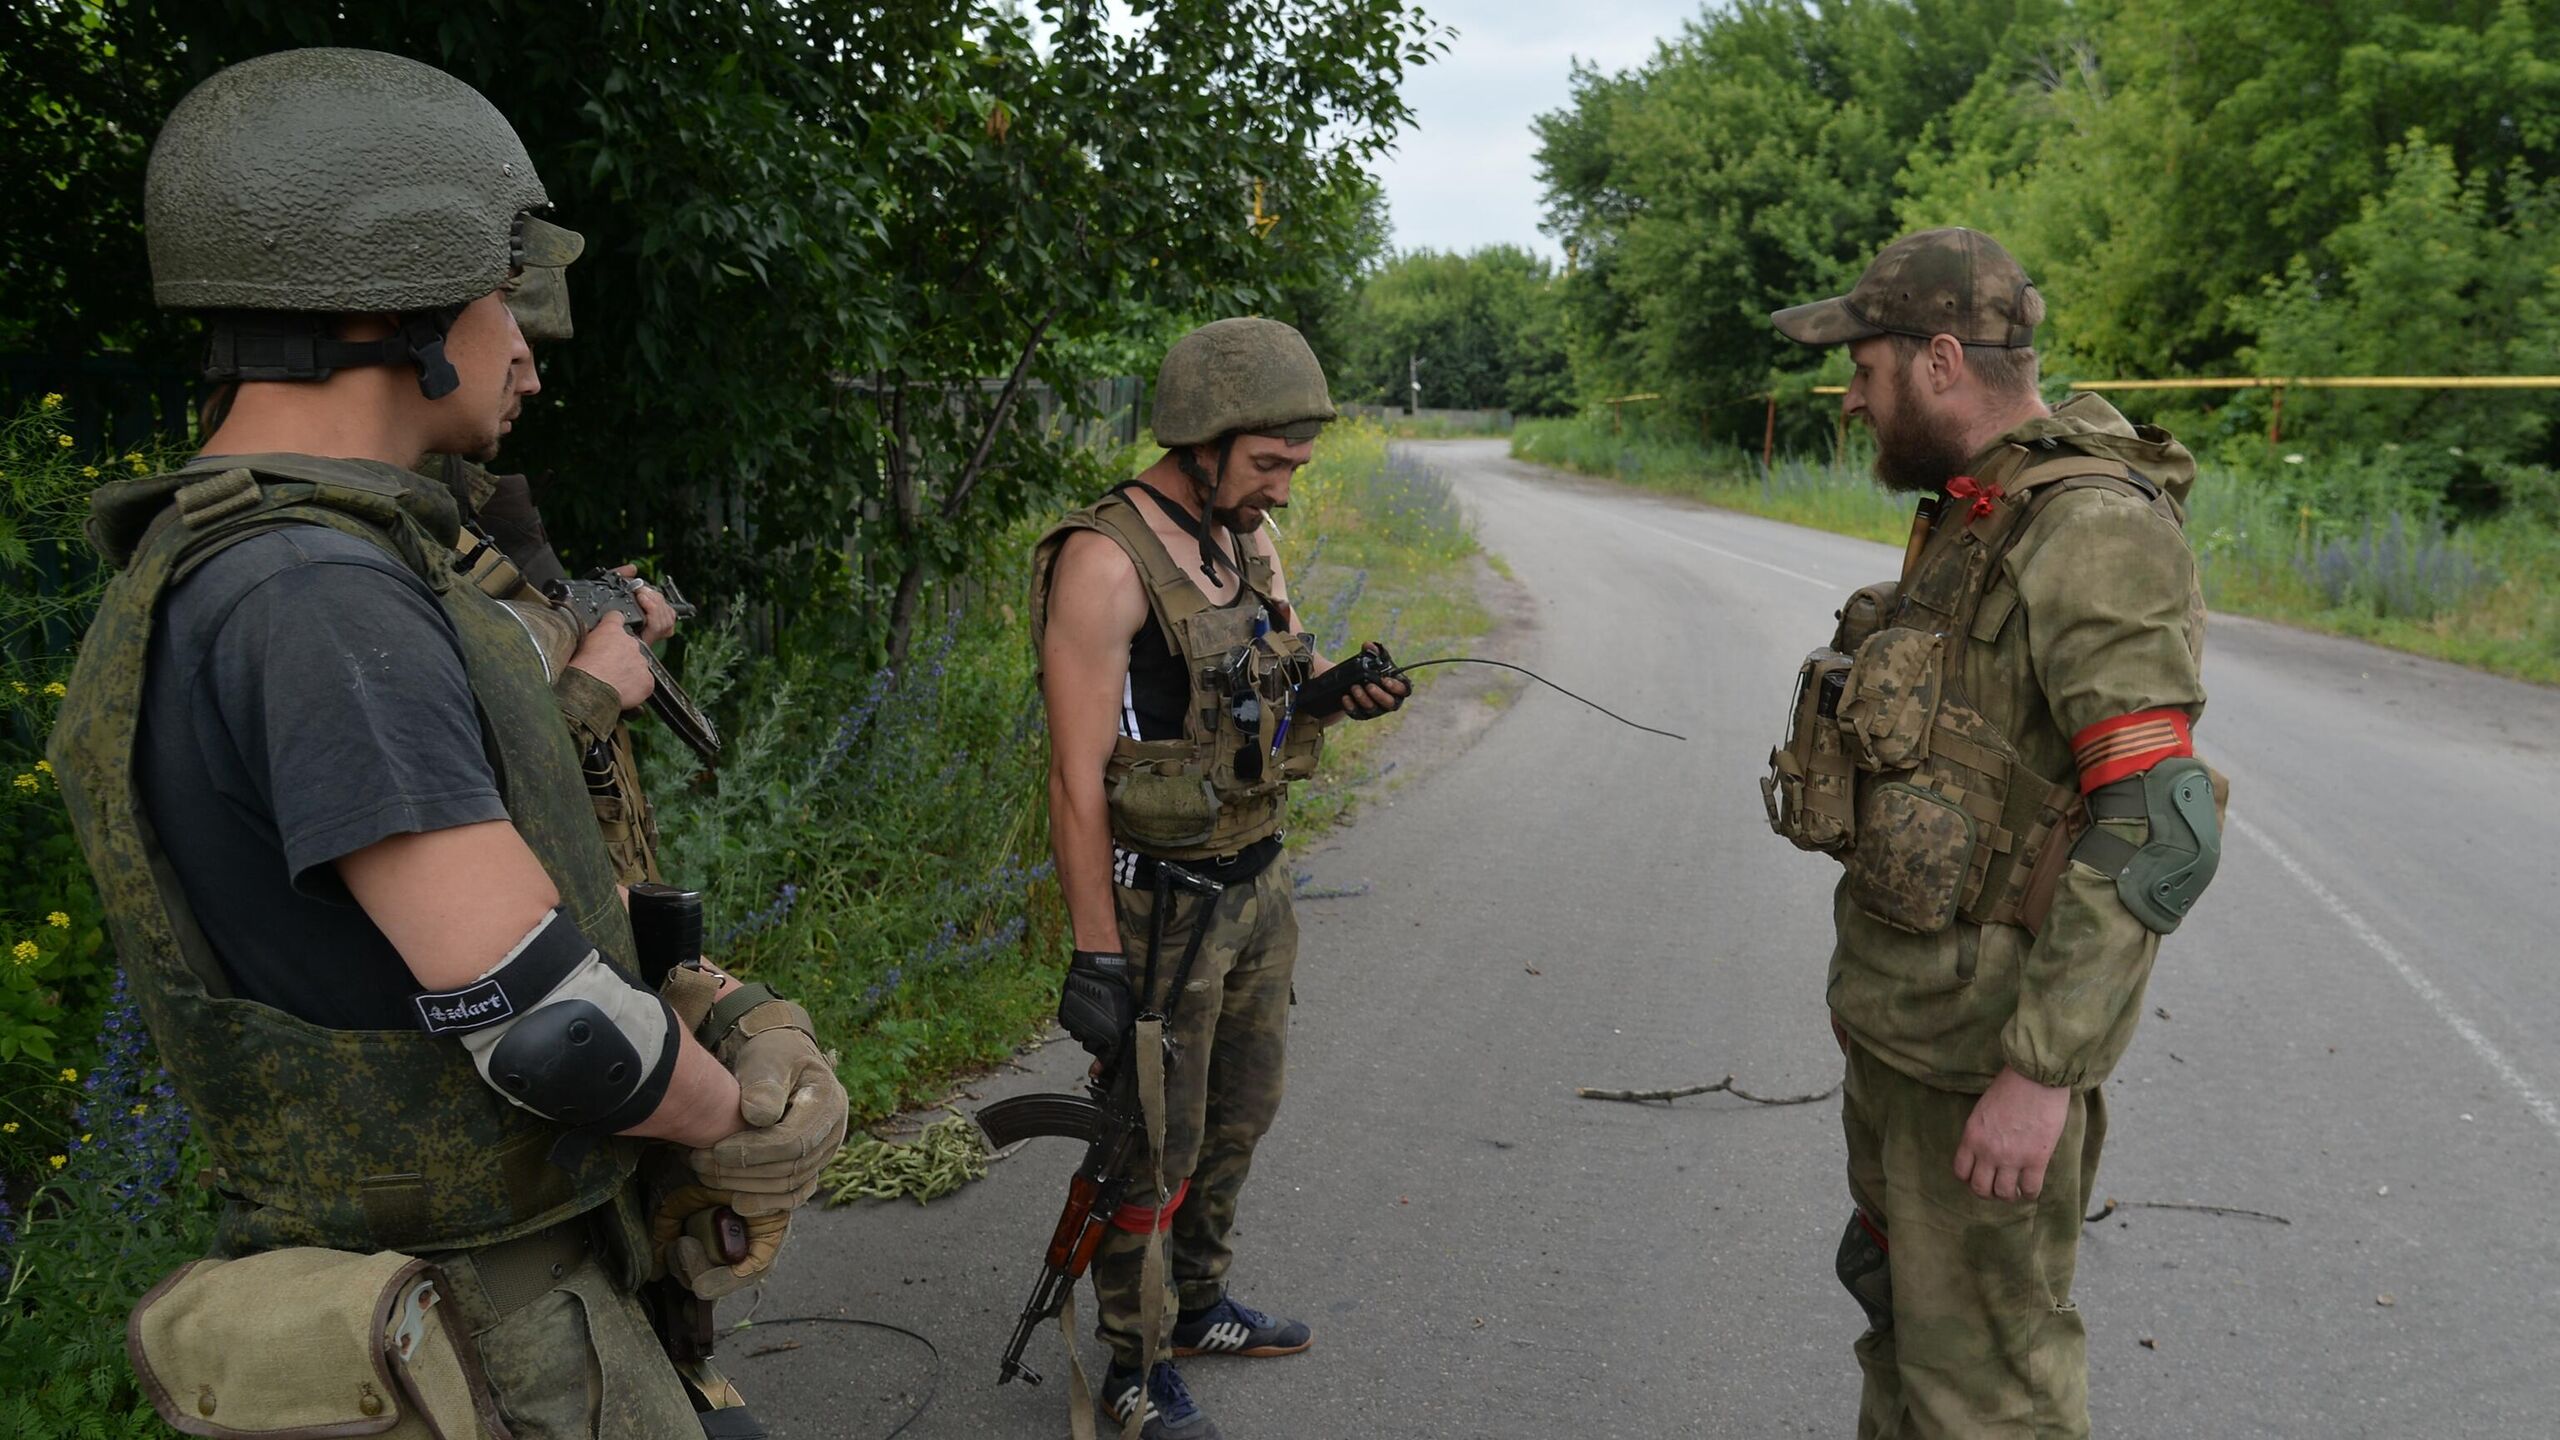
x,y
1916,452
1232,517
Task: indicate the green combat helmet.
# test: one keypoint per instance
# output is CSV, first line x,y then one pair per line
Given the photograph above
x,y
1251,375
309,184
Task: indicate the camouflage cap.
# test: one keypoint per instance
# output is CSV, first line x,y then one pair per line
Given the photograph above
x,y
1247,374
1938,282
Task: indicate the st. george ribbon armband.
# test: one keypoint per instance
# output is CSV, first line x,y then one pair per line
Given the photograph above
x,y
2128,745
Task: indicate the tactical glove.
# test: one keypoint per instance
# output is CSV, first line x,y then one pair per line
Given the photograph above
x,y
1096,1006
687,1233
791,1100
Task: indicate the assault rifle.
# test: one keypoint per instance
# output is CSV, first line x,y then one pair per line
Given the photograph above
x,y
1108,1119
609,592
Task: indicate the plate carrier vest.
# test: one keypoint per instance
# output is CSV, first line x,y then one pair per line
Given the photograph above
x,y
354,1140
1887,765
1199,797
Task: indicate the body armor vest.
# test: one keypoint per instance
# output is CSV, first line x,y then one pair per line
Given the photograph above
x,y
1889,767
357,1140
1224,784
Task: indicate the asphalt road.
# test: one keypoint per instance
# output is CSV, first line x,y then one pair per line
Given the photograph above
x,y
2358,1032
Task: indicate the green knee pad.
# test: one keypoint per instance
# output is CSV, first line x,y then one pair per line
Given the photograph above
x,y
1865,1272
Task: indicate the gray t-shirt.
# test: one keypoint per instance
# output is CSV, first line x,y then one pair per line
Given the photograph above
x,y
305,698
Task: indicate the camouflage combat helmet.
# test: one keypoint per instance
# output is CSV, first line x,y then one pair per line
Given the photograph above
x,y
314,183
1247,374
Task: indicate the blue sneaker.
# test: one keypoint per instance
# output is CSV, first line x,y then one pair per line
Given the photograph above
x,y
1232,1327
1171,1412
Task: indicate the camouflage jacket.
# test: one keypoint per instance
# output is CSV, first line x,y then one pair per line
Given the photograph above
x,y
2094,612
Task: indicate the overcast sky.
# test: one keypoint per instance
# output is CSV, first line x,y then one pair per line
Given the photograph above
x,y
1467,174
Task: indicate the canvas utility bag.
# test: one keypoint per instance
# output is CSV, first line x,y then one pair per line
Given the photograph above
x,y
306,1342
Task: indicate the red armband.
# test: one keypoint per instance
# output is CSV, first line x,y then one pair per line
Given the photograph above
x,y
2130,744
1148,1219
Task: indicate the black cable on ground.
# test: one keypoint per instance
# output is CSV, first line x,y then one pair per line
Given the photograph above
x,y
932,1387
1543,680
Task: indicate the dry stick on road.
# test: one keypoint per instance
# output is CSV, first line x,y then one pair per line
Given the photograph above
x,y
2113,1205
1724,1086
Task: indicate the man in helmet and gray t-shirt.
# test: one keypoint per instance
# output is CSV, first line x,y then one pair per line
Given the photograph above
x,y
1169,658
339,831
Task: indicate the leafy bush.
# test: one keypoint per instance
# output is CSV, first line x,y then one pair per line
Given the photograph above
x,y
55,964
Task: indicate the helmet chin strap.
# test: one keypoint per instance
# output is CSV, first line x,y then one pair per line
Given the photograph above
x,y
1206,490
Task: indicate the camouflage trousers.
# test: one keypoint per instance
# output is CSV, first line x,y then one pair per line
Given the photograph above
x,y
1231,1037
1972,1332
575,1361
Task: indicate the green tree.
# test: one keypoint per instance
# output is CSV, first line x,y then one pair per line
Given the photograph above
x,y
815,226
1750,164
1485,327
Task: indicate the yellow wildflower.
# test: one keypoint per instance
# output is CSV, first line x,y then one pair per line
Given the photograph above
x,y
142,1109
58,920
23,781
8,1127
88,472
18,687
62,440
84,1137
70,1076
58,1161
56,690
45,767
140,465
52,400
24,952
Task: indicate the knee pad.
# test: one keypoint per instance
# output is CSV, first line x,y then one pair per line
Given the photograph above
x,y
1865,1271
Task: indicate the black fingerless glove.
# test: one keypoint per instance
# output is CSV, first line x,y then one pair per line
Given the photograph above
x,y
1096,1005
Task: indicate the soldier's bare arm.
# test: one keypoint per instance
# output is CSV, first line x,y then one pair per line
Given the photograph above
x,y
454,901
1096,608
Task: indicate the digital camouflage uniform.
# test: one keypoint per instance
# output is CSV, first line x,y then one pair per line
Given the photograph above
x,y
2006,948
341,1139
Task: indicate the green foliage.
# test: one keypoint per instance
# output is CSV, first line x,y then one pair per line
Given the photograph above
x,y
2358,545
813,229
2198,186
1750,164
1486,326
55,964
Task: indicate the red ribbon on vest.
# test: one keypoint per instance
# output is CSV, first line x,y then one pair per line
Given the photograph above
x,y
1965,487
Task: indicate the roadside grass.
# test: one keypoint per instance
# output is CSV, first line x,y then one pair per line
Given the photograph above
x,y
2349,545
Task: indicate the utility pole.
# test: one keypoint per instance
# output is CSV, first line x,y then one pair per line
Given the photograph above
x,y
1413,383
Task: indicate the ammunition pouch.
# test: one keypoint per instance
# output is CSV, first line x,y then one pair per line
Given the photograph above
x,y
308,1342
1888,766
1809,790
